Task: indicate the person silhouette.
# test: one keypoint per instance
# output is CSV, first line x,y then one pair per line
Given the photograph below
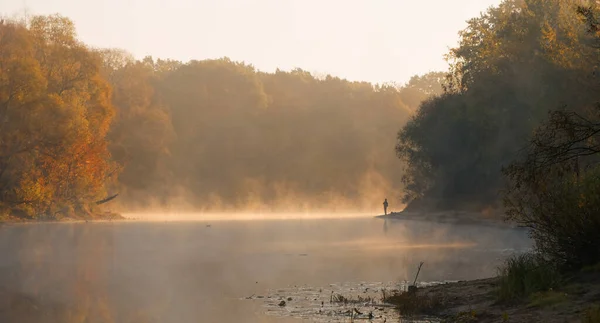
x,y
385,206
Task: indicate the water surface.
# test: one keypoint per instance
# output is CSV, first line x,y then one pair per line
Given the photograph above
x,y
203,271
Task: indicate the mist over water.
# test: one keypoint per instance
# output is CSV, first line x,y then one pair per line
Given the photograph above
x,y
235,216
198,271
243,187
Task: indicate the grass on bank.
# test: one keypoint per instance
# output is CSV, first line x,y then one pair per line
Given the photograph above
x,y
413,304
547,299
523,275
592,315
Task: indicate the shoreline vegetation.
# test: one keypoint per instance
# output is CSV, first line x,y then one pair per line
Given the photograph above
x,y
517,130
575,300
475,301
528,288
514,125
203,133
458,217
91,217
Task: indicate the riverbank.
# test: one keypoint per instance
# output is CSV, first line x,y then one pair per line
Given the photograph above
x,y
576,300
451,217
98,217
476,301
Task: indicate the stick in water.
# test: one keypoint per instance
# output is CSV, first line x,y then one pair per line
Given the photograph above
x,y
418,271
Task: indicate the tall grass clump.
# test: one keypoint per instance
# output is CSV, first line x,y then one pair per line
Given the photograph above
x,y
525,274
592,315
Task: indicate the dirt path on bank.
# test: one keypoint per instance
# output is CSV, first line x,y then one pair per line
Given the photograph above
x,y
475,301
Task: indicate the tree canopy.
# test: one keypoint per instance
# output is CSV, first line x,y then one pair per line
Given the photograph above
x,y
513,64
56,111
80,124
232,137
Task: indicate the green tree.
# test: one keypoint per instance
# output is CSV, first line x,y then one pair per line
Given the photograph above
x,y
513,64
421,87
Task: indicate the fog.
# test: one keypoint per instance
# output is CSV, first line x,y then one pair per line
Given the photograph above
x,y
191,271
237,183
230,216
199,135
286,141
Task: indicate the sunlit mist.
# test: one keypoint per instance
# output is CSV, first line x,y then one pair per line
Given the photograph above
x,y
230,216
188,271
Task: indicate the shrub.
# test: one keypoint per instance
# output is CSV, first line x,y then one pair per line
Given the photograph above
x,y
563,215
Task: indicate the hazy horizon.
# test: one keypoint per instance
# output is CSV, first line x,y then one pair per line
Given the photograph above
x,y
377,41
279,161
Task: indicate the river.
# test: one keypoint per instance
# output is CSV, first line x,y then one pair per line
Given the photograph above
x,y
229,270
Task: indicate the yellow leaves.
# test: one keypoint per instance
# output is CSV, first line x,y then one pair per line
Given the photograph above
x,y
34,190
20,75
59,110
562,33
99,110
53,30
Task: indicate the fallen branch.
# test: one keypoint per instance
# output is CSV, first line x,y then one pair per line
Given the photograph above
x,y
108,199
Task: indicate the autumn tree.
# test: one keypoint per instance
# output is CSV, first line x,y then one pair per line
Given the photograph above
x,y
142,133
242,138
57,113
81,122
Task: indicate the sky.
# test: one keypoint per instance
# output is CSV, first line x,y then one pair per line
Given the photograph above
x,y
378,41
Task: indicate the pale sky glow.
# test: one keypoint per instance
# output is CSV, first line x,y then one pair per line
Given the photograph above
x,y
367,40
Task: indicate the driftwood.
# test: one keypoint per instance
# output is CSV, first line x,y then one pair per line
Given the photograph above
x,y
108,199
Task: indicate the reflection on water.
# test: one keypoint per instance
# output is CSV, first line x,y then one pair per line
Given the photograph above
x,y
190,272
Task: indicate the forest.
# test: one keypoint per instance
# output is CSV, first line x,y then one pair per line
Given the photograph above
x,y
511,129
82,123
517,128
514,65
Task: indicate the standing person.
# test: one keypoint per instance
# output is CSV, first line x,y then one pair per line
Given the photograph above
x,y
385,205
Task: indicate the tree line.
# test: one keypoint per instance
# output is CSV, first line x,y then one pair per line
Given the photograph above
x,y
514,63
81,123
517,127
